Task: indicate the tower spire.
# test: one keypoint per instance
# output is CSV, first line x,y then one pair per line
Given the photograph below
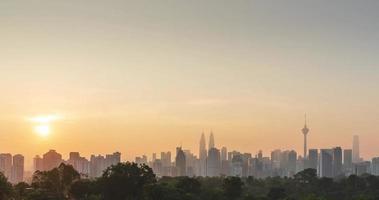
x,y
305,131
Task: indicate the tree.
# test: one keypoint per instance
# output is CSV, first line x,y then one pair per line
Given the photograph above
x,y
5,188
126,181
276,193
232,187
56,183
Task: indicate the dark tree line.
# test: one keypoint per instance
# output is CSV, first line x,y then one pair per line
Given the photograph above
x,y
129,181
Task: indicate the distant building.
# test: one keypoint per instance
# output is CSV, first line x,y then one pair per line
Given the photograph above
x,y
80,164
237,165
211,141
348,161
224,154
17,168
375,166
180,162
356,155
312,159
38,163
213,162
202,156
6,164
337,161
326,163
362,168
97,165
292,158
51,160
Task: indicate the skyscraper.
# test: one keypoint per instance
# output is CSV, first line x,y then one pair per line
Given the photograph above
x,y
348,161
224,153
6,164
213,162
180,162
337,161
312,158
211,141
51,160
17,168
38,163
305,131
326,163
202,156
356,156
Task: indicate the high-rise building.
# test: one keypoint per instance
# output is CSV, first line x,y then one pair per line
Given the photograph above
x,y
375,166
97,165
362,168
292,158
337,161
180,162
202,156
17,168
166,159
51,160
326,163
356,155
305,132
237,165
79,163
112,159
312,158
38,163
211,141
348,161
213,162
224,153
6,164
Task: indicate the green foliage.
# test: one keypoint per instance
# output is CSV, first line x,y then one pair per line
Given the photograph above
x,y
126,181
129,181
5,188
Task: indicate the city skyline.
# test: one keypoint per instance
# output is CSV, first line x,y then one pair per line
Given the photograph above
x,y
141,76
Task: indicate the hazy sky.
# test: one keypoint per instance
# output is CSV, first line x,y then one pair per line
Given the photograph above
x,y
146,76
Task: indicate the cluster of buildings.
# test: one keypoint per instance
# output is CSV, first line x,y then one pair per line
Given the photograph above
x,y
12,167
211,162
87,168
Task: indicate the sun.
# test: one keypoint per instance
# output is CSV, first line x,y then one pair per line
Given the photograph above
x,y
42,130
42,124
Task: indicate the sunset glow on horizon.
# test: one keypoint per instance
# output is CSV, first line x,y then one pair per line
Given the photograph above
x,y
147,76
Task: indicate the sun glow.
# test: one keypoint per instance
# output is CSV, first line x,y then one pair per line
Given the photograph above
x,y
42,130
42,124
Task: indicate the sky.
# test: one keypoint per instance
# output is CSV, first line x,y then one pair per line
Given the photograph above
x,y
147,76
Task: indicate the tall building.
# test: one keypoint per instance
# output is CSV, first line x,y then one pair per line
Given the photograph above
x,y
17,168
211,141
213,162
51,160
237,165
305,131
375,166
38,163
6,164
180,162
326,163
224,153
337,161
356,156
292,158
97,165
348,161
202,156
312,158
80,164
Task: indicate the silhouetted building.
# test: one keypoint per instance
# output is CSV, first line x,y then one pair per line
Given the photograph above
x,y
305,132
211,141
375,166
237,165
326,163
312,159
202,156
6,164
292,157
337,161
224,153
356,155
180,162
17,168
348,161
213,162
362,168
38,163
51,160
79,163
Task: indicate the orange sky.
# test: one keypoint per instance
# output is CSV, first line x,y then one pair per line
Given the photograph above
x,y
141,77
